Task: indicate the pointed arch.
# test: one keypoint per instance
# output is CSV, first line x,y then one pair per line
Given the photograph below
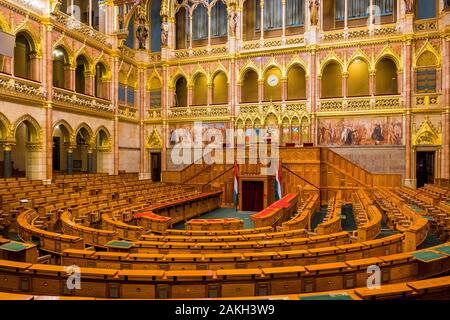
x,y
296,82
33,127
34,39
249,85
5,127
331,58
359,55
297,61
422,54
389,53
4,24
273,63
219,83
88,130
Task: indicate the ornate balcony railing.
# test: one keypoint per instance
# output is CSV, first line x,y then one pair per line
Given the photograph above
x,y
14,86
272,43
72,24
359,33
279,108
426,25
154,114
127,112
361,104
202,112
75,100
427,100
198,52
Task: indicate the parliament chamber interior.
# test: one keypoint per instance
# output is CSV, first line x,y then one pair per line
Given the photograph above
x,y
136,139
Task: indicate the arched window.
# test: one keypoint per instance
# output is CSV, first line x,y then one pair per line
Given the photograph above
x,y
22,56
386,77
80,75
200,92
426,9
220,89
249,87
122,88
60,68
100,81
272,14
219,21
296,83
180,92
358,79
426,72
294,13
200,23
129,42
155,93
131,90
332,81
155,19
182,28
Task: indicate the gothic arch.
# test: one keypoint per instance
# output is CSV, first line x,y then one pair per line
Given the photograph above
x,y
34,127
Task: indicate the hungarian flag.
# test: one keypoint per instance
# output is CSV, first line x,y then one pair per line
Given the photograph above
x,y
236,186
278,194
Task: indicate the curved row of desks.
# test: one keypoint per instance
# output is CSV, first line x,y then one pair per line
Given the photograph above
x,y
428,289
276,213
108,283
214,261
302,220
332,222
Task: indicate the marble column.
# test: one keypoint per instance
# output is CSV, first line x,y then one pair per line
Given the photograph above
x,y
115,102
262,20
345,84
69,161
90,161
48,78
313,94
408,98
284,88
260,90
7,163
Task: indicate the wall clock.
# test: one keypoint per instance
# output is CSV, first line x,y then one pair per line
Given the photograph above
x,y
272,80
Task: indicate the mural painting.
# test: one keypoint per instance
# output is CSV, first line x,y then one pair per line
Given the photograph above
x,y
361,131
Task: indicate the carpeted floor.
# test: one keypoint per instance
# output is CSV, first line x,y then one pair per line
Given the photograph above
x,y
223,213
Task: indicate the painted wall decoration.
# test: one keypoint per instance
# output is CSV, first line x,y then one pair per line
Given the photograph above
x,y
188,132
361,131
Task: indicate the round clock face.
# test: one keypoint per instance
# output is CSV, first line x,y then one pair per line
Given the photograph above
x,y
272,80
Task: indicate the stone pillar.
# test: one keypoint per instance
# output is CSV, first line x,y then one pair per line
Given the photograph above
x,y
445,174
7,163
190,30
115,102
284,87
344,84
48,80
262,20
408,90
260,90
89,88
372,88
283,12
164,108
35,73
209,99
313,94
90,161
69,161
142,104
189,95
